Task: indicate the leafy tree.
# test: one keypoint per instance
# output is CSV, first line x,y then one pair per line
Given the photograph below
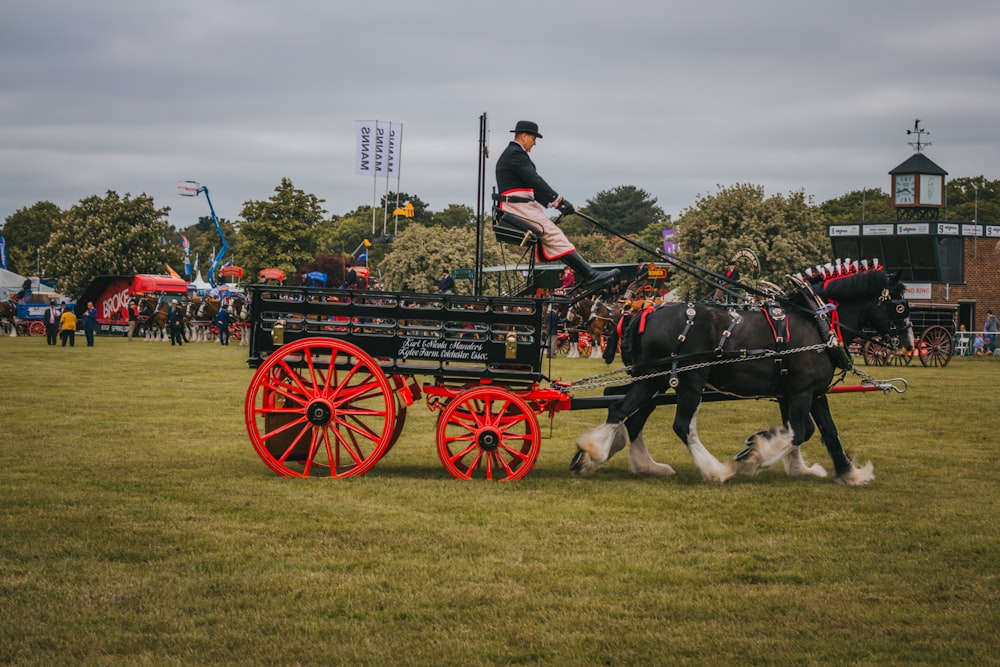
x,y
108,236
787,234
25,232
973,199
625,209
455,215
344,235
419,253
870,204
280,232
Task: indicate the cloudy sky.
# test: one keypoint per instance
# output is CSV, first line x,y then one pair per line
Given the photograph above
x,y
674,97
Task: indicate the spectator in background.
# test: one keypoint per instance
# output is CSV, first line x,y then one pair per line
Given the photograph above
x,y
222,322
447,284
51,319
90,323
567,280
133,318
979,345
991,327
175,322
67,327
963,341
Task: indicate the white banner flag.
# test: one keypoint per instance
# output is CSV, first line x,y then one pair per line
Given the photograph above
x,y
377,148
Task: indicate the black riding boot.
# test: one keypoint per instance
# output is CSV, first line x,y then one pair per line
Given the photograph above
x,y
589,279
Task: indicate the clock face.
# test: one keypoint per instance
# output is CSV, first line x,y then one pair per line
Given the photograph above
x,y
904,189
930,190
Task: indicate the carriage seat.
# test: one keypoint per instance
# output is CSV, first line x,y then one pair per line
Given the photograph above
x,y
509,228
512,229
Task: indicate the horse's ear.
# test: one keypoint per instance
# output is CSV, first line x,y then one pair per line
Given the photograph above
x,y
897,277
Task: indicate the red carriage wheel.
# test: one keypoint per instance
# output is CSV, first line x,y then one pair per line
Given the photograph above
x,y
585,346
36,328
320,407
935,346
490,433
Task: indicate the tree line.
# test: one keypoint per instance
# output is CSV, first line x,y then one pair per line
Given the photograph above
x,y
291,230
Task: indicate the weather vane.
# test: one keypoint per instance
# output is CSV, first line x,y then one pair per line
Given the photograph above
x,y
918,145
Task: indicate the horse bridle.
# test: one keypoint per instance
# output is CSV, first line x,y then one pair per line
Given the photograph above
x,y
898,311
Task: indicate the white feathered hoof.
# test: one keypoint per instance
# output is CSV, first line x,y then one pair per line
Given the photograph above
x,y
796,466
596,445
764,449
641,463
857,476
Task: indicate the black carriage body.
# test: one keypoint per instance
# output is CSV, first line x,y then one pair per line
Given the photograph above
x,y
446,336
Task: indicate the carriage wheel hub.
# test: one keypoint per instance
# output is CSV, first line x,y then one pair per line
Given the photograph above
x,y
488,439
319,412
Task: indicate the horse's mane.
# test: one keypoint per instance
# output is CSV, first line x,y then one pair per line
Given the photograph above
x,y
854,286
849,281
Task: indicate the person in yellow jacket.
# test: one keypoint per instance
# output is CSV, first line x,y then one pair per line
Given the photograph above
x,y
67,327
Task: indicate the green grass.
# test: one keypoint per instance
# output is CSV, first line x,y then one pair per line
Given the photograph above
x,y
139,527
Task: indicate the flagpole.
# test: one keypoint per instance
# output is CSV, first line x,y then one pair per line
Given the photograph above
x,y
399,169
375,177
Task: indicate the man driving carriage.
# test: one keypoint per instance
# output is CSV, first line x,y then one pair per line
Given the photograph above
x,y
526,195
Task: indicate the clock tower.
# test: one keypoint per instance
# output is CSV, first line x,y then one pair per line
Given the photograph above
x,y
918,184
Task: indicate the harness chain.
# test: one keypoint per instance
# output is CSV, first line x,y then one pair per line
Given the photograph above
x,y
598,381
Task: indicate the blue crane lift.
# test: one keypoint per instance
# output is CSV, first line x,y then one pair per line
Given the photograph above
x,y
193,189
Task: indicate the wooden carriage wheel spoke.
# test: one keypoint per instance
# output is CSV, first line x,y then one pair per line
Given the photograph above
x,y
488,432
306,419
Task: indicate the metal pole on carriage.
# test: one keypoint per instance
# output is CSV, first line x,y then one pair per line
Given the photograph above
x,y
480,203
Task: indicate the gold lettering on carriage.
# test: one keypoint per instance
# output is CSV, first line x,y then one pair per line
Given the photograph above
x,y
442,350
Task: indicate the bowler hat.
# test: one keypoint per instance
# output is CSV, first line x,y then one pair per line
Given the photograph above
x,y
526,126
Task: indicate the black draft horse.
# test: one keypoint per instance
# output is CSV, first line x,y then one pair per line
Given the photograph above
x,y
671,337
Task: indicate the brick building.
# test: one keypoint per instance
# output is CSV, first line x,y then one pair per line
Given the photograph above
x,y
951,267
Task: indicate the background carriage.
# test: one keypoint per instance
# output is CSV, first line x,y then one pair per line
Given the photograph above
x,y
934,331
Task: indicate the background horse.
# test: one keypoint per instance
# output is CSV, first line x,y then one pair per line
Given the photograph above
x,y
8,313
593,317
665,340
153,317
639,295
239,307
199,318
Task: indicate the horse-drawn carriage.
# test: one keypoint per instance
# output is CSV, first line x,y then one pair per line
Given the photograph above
x,y
337,370
25,316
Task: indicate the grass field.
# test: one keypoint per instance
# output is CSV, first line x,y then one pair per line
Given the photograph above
x,y
139,527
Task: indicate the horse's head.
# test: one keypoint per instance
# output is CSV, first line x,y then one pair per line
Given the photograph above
x,y
637,289
873,300
578,313
891,315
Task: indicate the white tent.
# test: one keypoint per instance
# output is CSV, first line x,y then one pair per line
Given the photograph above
x,y
10,284
200,284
